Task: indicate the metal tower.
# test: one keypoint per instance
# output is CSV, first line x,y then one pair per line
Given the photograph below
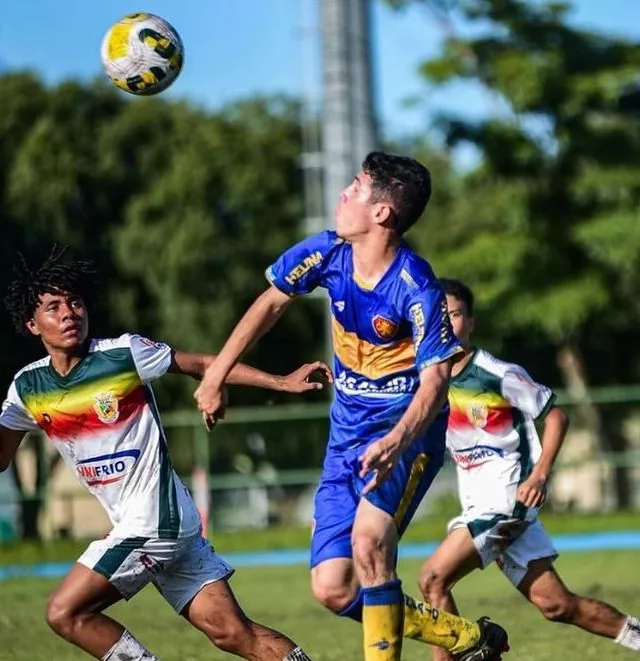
x,y
349,129
339,125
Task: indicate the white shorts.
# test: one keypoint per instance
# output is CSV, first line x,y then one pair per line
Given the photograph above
x,y
509,542
179,568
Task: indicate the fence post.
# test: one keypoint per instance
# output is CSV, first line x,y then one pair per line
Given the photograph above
x,y
200,476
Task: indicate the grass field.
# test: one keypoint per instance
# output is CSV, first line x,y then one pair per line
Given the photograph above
x,y
280,597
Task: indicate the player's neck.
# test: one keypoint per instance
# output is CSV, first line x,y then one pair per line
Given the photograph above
x,y
373,255
467,357
64,361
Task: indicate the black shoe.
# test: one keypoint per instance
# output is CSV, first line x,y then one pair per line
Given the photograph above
x,y
493,642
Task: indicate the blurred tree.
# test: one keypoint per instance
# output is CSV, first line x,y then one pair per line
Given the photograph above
x,y
201,233
183,210
547,227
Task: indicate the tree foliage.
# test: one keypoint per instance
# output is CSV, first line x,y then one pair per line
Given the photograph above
x,y
546,228
183,210
547,225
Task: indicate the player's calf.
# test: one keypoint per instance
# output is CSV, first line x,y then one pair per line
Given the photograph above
x,y
249,640
596,617
544,588
215,612
461,638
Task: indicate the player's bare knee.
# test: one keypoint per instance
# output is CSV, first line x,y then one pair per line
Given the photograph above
x,y
232,639
60,617
426,579
229,634
370,557
433,584
560,608
333,595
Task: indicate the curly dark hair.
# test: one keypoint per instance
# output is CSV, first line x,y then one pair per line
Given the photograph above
x,y
402,182
53,276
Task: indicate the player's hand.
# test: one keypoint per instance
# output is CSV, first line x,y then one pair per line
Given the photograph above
x,y
533,491
312,376
379,458
212,402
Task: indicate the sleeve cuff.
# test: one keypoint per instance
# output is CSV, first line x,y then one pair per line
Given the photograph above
x,y
271,280
547,407
440,359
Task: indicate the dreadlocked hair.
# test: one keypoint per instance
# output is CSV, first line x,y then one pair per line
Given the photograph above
x,y
53,276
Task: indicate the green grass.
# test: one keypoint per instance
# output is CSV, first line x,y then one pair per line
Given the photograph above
x,y
429,529
280,597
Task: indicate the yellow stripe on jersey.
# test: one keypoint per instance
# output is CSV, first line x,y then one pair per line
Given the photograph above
x,y
82,397
464,398
372,361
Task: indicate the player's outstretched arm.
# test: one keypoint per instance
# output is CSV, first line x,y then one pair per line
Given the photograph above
x,y
258,319
380,457
9,442
532,491
301,380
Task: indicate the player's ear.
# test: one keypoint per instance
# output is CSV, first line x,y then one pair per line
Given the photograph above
x,y
32,327
382,213
472,324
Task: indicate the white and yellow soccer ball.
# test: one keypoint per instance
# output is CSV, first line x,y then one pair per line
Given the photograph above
x,y
142,54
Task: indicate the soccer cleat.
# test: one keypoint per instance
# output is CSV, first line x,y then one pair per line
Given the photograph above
x,y
493,643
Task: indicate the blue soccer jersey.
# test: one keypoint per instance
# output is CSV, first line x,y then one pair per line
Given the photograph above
x,y
382,336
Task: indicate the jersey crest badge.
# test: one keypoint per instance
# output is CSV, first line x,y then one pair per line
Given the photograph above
x,y
385,328
106,407
478,415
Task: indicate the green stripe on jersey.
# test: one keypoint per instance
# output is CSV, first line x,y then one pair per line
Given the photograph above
x,y
95,366
168,511
477,378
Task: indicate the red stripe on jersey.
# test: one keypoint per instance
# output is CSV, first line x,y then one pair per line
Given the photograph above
x,y
62,426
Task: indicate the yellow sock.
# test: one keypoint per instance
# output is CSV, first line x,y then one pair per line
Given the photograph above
x,y
429,625
382,622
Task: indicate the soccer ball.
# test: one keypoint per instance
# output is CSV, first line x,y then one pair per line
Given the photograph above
x,y
142,54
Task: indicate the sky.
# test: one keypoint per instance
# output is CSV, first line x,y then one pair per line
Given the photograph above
x,y
237,48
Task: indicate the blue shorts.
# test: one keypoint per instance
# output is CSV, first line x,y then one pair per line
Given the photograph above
x,y
399,495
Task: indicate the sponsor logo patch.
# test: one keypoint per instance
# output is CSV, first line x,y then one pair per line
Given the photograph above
x,y
107,468
470,458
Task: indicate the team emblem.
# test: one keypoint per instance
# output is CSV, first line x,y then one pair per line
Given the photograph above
x,y
384,327
106,407
478,415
